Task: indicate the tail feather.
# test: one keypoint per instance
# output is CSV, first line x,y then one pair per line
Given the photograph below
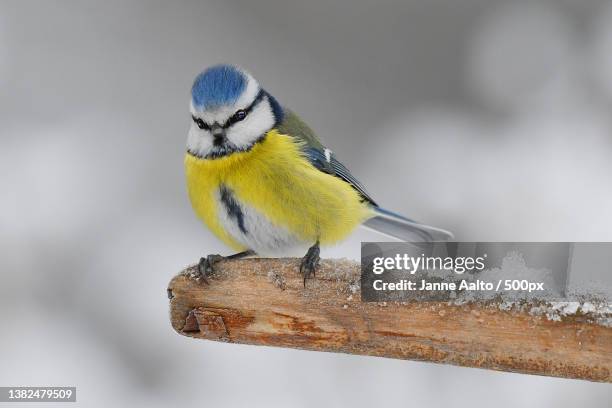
x,y
397,226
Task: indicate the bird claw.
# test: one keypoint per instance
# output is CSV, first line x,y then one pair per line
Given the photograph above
x,y
206,264
310,262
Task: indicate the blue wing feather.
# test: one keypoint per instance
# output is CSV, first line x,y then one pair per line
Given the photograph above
x,y
334,167
384,221
314,150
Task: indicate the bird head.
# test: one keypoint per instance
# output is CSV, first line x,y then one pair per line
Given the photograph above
x,y
230,112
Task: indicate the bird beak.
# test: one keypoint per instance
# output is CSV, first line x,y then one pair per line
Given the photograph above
x,y
218,134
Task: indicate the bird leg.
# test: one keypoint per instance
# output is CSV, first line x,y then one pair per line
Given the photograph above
x,y
206,264
310,262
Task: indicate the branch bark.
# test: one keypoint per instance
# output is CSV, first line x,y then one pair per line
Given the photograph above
x,y
263,302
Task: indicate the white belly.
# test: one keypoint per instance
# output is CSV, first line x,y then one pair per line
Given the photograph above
x,y
255,231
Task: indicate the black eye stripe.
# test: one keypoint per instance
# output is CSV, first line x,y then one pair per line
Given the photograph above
x,y
246,110
236,117
201,124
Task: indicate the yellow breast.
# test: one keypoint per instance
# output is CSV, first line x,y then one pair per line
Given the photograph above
x,y
276,180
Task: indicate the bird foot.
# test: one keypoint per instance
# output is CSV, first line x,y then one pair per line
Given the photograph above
x,y
206,266
310,262
207,263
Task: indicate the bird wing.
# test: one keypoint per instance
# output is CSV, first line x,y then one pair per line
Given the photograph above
x,y
319,156
384,221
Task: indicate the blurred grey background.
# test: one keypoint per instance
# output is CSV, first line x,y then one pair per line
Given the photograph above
x,y
489,118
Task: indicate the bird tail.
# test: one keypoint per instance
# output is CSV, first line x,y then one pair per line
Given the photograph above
x,y
405,229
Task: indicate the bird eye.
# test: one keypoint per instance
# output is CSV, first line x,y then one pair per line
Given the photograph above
x,y
201,124
240,115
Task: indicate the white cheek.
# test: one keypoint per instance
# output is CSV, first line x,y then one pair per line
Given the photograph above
x,y
258,122
199,141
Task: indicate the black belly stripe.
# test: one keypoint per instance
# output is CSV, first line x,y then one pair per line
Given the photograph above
x,y
232,207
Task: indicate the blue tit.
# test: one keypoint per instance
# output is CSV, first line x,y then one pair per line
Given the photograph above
x,y
263,182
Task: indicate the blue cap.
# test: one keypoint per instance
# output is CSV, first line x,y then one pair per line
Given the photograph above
x,y
217,86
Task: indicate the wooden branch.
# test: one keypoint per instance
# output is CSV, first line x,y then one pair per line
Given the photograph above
x,y
263,302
